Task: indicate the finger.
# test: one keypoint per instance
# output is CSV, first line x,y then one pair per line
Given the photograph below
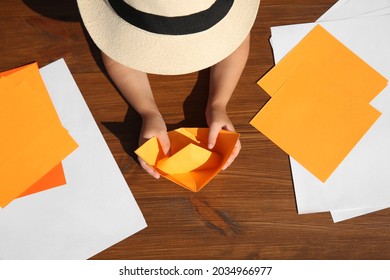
x,y
234,154
164,142
213,134
214,131
231,159
149,169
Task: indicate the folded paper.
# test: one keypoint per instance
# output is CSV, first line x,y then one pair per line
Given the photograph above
x,y
195,158
190,164
33,141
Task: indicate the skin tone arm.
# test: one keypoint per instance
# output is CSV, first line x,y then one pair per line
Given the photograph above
x,y
135,87
224,77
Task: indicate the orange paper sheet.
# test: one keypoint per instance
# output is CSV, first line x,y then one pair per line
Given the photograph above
x,y
315,119
190,165
30,73
54,178
322,49
33,140
319,108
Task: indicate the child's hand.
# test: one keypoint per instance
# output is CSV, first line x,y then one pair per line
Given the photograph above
x,y
218,119
153,125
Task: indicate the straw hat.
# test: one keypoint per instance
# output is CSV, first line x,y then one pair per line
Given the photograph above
x,y
168,36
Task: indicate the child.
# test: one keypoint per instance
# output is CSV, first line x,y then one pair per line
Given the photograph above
x,y
168,37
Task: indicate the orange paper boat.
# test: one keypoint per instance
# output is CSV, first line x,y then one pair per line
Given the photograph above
x,y
190,164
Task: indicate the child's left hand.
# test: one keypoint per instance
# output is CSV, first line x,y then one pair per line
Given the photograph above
x,y
218,119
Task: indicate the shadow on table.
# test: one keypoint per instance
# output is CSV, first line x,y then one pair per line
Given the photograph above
x,y
65,10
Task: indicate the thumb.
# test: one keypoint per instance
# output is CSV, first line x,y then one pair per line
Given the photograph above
x,y
213,134
164,142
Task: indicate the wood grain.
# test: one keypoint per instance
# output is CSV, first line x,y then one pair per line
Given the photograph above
x,y
247,211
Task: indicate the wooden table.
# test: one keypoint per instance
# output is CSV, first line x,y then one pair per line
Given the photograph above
x,y
247,211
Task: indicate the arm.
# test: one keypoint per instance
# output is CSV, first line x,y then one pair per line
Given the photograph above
x,y
224,77
135,87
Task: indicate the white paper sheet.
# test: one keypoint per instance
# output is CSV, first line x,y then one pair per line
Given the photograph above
x,y
342,215
333,10
361,181
367,9
92,212
356,8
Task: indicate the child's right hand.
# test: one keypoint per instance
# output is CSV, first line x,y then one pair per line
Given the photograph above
x,y
218,119
153,125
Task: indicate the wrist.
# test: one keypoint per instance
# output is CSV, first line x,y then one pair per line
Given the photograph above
x,y
147,114
216,107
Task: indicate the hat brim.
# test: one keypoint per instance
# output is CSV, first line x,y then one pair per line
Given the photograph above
x,y
166,54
